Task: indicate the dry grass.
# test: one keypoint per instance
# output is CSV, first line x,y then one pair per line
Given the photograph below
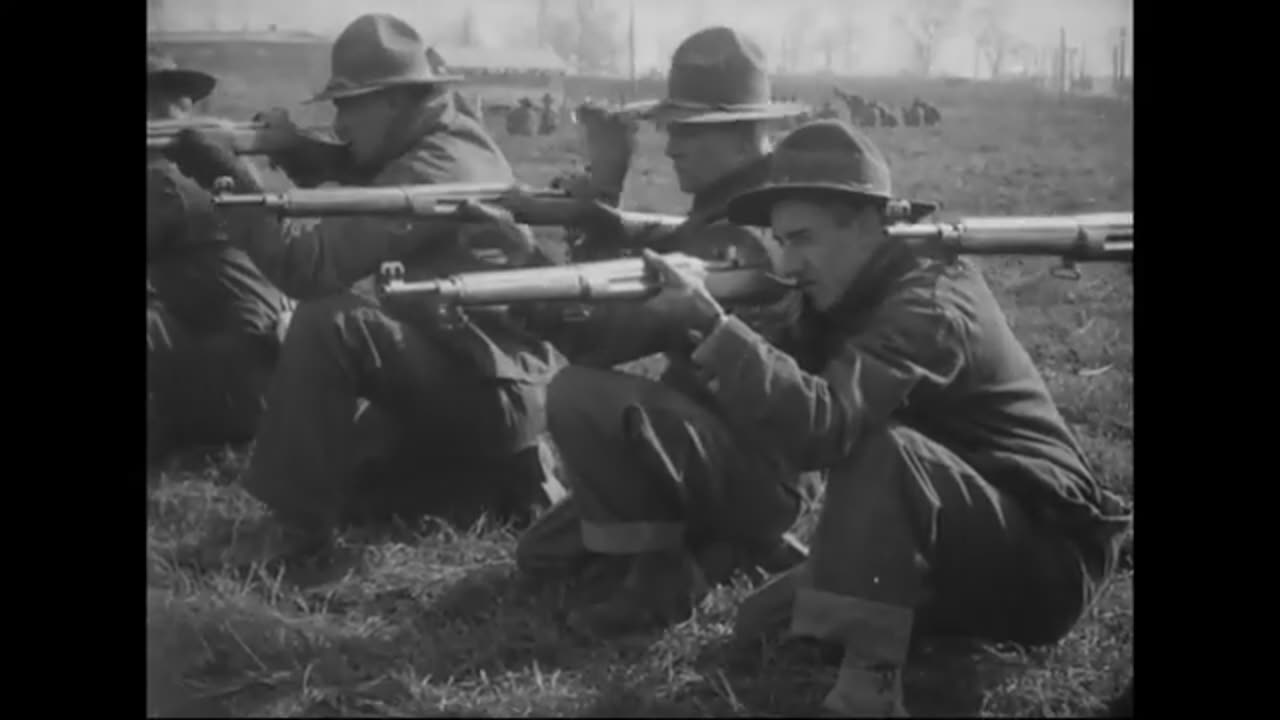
x,y
432,621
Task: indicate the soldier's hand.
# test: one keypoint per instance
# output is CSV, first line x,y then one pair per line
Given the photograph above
x,y
773,320
610,139
682,298
491,233
309,159
205,157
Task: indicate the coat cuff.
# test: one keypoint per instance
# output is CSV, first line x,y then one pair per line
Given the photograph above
x,y
725,347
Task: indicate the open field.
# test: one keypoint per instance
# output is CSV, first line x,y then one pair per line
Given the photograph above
x,y
432,621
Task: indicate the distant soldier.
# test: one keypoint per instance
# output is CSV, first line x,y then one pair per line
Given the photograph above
x,y
884,115
856,104
523,119
213,319
827,112
549,120
912,115
929,114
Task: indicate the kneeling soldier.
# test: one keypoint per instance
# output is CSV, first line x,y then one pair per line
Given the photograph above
x,y
957,501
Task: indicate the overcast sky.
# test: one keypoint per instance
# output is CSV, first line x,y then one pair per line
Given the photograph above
x,y
660,24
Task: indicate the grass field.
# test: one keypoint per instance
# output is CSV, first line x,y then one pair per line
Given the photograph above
x,y
432,621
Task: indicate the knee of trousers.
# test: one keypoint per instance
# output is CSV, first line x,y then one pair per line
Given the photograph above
x,y
879,474
876,514
524,406
580,401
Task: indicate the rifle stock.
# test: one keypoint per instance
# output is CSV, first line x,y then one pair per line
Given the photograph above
x,y
245,138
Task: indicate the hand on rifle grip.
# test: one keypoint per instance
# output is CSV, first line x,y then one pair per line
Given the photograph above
x,y
490,227
307,159
206,158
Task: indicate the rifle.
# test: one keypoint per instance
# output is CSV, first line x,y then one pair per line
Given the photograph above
x,y
247,138
597,281
538,207
1099,237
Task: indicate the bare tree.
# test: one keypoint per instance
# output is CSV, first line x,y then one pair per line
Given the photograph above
x,y
849,36
927,23
793,39
586,39
995,42
467,29
543,18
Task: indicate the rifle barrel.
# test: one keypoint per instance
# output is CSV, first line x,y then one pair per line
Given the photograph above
x,y
405,200
1099,236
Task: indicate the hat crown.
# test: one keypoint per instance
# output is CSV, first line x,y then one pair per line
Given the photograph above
x,y
718,67
830,152
378,49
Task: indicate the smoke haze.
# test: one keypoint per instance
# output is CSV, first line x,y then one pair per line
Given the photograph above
x,y
879,47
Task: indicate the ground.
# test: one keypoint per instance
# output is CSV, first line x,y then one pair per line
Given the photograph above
x,y
432,620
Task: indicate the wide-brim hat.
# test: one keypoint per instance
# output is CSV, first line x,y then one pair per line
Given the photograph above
x,y
164,74
824,158
379,51
718,75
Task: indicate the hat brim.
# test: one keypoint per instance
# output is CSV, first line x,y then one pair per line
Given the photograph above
x,y
340,93
754,208
665,111
190,83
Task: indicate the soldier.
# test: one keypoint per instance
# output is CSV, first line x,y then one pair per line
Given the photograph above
x,y
957,503
462,403
549,120
213,319
912,115
884,115
523,119
617,431
827,112
929,114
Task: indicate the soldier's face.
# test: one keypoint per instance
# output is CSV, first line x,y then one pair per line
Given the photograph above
x,y
365,121
162,105
703,154
825,247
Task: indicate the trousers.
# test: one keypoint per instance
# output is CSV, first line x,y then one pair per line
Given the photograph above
x,y
435,429
651,469
203,387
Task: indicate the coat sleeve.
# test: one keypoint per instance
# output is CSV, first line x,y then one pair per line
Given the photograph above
x,y
819,418
176,209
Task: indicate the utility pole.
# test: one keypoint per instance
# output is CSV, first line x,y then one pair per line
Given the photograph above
x,y
542,22
1121,63
1062,63
631,50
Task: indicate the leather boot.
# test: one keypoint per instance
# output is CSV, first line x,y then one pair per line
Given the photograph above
x,y
660,589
